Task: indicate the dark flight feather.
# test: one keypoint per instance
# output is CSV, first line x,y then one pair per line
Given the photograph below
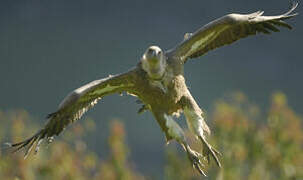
x,y
228,29
73,107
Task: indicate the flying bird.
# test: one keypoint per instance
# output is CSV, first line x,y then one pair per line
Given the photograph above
x,y
158,82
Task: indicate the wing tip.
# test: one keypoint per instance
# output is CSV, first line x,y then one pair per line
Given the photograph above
x,y
294,5
27,144
8,145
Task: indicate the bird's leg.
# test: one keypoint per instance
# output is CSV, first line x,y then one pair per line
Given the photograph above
x,y
208,151
174,131
194,158
197,125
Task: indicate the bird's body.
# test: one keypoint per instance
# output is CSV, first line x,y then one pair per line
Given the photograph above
x,y
169,89
158,81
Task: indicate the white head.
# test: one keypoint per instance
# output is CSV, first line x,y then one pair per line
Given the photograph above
x,y
154,62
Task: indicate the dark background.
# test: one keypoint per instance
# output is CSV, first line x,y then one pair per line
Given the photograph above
x,y
50,47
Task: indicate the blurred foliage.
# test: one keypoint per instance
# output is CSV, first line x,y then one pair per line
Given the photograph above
x,y
69,160
254,146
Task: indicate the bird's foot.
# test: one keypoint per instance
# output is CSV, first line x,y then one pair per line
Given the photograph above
x,y
208,151
194,158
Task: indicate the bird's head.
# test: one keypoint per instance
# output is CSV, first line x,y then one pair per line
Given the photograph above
x,y
154,62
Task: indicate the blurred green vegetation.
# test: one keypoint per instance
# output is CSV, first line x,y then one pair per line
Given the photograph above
x,y
254,146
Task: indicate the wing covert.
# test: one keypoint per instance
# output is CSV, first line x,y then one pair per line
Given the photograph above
x,y
75,105
227,30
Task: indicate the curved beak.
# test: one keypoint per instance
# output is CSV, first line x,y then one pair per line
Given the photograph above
x,y
150,54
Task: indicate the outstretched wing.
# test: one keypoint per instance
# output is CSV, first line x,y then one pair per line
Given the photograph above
x,y
75,105
227,30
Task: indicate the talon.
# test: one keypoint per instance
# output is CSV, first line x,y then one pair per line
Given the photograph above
x,y
200,170
194,159
216,151
208,151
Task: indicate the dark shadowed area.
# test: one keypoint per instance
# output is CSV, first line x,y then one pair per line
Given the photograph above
x,y
50,47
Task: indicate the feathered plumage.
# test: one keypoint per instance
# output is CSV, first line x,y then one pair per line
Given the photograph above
x,y
228,29
158,81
